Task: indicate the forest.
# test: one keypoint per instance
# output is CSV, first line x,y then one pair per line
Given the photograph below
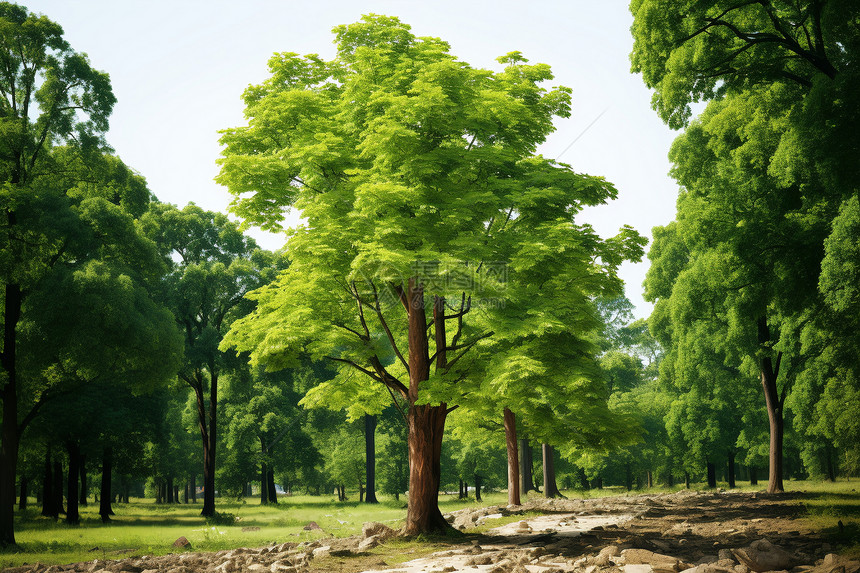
x,y
442,320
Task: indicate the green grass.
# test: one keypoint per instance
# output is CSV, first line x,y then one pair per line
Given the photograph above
x,y
143,528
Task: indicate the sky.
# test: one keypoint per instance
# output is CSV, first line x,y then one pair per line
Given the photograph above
x,y
178,70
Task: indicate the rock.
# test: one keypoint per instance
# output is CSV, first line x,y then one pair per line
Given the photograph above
x,y
657,561
369,543
321,552
637,568
281,567
603,558
483,559
182,542
311,526
726,554
375,529
833,563
762,555
256,568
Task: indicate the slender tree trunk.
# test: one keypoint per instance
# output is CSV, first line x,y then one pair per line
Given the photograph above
x,y
649,479
513,458
264,484
731,470
550,488
670,479
22,499
209,449
193,488
48,486
712,475
753,475
687,480
526,480
105,510
774,403
9,392
270,483
461,496
185,494
58,490
73,517
583,479
426,423
478,488
82,501
370,457
175,493
169,490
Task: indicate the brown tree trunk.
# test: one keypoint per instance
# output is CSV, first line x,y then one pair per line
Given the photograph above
x,y
264,484
58,489
193,488
209,449
169,490
105,510
426,422
753,475
583,480
461,494
73,517
649,479
478,488
370,457
9,439
712,475
550,488
513,458
270,483
774,403
185,494
526,478
687,480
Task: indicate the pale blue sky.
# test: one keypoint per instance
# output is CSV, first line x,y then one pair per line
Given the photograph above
x,y
178,70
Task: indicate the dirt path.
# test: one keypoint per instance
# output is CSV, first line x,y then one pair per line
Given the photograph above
x,y
686,531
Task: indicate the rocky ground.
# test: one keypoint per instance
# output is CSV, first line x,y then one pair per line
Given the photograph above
x,y
690,532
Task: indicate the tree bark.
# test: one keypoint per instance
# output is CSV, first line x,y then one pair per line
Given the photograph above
x,y
774,404
426,423
105,510
461,495
513,458
753,475
9,439
370,457
209,448
73,517
526,479
583,480
712,475
687,480
270,483
649,479
185,494
731,470
550,488
193,488
169,490
478,488
264,484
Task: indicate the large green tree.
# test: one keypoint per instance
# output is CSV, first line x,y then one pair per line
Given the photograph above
x,y
416,174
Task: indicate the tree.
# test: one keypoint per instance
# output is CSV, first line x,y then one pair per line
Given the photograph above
x,y
213,265
50,97
411,168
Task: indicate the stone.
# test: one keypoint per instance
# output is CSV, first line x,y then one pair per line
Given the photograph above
x,y
281,567
182,542
606,554
657,561
762,555
256,568
376,529
311,526
637,568
369,543
321,552
726,554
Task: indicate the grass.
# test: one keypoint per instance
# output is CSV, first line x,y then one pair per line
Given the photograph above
x,y
143,528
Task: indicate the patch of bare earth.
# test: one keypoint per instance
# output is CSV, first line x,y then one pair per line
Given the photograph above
x,y
691,532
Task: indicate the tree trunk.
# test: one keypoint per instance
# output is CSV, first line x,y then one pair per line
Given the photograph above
x,y
193,488
753,475
185,494
649,479
370,457
426,422
175,493
478,488
270,483
598,483
264,484
583,480
731,470
47,486
105,510
73,517
774,404
208,423
9,439
169,490
670,479
513,458
461,495
82,501
712,475
22,499
550,488
526,479
687,480
58,489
